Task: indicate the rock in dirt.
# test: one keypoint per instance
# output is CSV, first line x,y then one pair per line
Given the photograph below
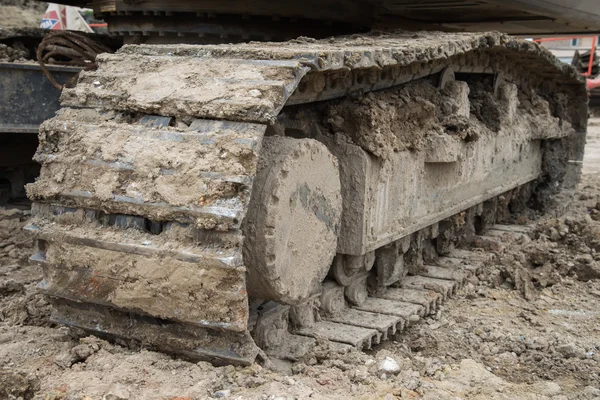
x,y
571,350
537,343
220,394
77,354
117,392
8,287
16,385
389,366
587,271
547,388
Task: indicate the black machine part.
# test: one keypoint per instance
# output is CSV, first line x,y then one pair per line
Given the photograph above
x,y
27,96
239,20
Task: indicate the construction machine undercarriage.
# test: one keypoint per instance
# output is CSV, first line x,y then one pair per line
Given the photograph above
x,y
214,200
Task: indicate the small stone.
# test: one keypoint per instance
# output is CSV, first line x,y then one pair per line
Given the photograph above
x,y
255,93
590,354
10,286
298,368
547,388
537,343
220,394
117,392
82,351
16,385
592,391
554,235
508,358
571,350
254,381
205,366
361,374
65,359
389,365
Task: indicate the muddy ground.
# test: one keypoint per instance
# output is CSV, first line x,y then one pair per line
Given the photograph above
x,y
527,327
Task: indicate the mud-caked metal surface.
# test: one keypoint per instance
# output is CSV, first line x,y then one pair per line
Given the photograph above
x,y
293,221
149,170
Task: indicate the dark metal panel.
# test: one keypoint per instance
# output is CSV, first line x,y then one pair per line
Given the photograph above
x,y
27,96
17,149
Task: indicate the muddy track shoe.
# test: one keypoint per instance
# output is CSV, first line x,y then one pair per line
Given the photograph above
x,y
212,200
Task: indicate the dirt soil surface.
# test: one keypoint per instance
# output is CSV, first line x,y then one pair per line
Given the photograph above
x,y
21,13
526,327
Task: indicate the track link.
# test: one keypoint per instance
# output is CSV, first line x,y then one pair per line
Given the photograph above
x,y
386,314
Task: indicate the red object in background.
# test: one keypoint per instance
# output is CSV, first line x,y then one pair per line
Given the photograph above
x,y
593,83
592,51
592,54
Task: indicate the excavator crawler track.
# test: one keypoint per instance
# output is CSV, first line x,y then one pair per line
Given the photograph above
x,y
385,314
148,173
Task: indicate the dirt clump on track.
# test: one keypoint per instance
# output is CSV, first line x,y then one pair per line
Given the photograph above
x,y
17,52
406,118
528,327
